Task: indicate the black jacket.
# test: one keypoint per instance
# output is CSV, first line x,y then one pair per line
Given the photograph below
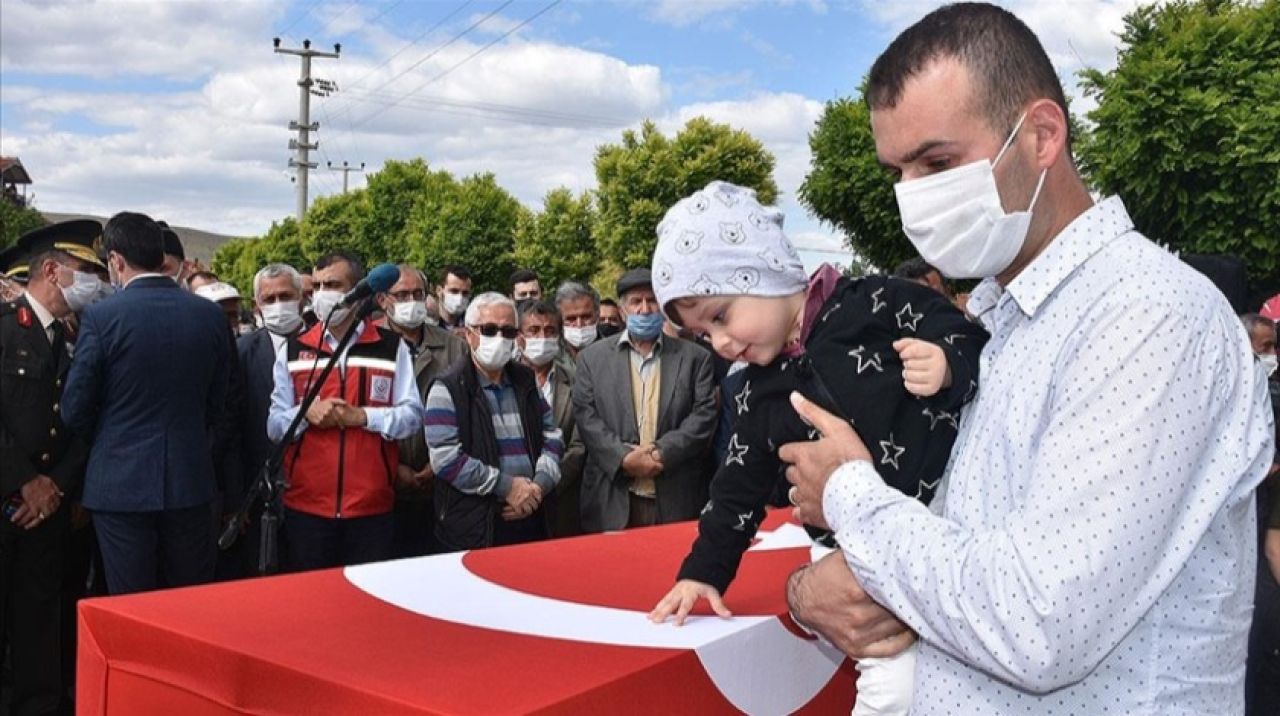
x,y
466,521
851,369
33,439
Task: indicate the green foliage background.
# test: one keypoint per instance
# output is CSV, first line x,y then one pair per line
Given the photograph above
x,y
17,220
1187,129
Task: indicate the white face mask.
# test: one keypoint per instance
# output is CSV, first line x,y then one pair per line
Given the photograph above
x,y
541,351
85,288
325,302
455,303
282,317
956,222
580,336
409,314
494,352
1269,362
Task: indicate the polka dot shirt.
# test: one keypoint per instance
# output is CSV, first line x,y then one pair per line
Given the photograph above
x,y
1092,548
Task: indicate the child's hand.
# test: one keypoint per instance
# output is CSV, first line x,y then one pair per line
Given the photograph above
x,y
924,366
681,599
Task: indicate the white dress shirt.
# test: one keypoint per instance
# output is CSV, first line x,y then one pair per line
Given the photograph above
x,y
1093,548
394,423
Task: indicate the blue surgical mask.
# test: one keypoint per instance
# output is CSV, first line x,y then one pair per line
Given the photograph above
x,y
644,326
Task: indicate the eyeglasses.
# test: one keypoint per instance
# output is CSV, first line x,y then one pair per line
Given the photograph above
x,y
416,294
489,330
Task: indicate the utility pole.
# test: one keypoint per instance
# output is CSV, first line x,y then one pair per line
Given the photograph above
x,y
346,170
304,126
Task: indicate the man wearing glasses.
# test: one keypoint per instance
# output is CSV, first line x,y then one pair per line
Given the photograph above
x,y
493,440
433,349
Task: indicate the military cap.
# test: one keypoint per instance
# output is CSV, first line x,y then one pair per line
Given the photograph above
x,y
13,263
81,238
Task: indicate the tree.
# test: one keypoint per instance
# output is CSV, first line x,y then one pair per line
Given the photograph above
x,y
1187,128
558,242
473,223
236,261
17,220
847,188
639,179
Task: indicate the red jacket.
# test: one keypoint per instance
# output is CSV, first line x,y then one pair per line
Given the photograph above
x,y
343,472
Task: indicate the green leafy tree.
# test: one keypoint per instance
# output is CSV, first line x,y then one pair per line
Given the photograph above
x,y
339,222
1187,128
471,222
558,242
236,261
17,220
648,172
848,189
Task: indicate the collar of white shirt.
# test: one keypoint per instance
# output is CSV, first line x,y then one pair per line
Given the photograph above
x,y
1083,237
45,315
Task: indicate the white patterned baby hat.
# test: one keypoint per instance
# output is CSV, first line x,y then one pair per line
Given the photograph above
x,y
723,241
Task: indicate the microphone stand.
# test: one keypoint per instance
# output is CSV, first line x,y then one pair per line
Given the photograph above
x,y
270,484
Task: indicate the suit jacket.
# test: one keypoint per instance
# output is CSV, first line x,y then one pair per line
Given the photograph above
x,y
257,356
33,439
564,517
606,422
148,382
439,349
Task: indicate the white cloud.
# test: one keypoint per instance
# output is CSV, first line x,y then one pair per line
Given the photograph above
x,y
686,12
159,40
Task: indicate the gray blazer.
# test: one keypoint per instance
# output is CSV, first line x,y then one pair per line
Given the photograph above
x,y
606,423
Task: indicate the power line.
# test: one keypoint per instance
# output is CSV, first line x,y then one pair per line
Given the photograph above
x,y
436,51
466,59
411,43
500,111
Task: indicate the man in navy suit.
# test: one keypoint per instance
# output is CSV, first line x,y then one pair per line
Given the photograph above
x,y
147,383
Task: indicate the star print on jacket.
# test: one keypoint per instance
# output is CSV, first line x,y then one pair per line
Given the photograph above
x,y
849,367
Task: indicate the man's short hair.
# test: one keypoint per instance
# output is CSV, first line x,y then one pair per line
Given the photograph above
x,y
201,275
1251,320
609,302
422,275
484,300
172,242
1005,58
353,261
137,238
573,290
523,275
539,308
276,271
915,269
458,270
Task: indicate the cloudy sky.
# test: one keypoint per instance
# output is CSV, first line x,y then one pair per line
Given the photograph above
x,y
179,108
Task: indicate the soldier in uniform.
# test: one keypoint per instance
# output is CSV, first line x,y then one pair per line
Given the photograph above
x,y
40,461
13,272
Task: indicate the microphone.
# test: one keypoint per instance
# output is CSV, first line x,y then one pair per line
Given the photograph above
x,y
379,280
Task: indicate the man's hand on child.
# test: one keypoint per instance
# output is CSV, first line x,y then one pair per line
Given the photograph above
x,y
810,464
924,366
682,598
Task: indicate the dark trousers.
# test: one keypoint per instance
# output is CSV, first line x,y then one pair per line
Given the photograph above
x,y
150,550
644,511
413,533
30,602
312,542
1262,672
527,529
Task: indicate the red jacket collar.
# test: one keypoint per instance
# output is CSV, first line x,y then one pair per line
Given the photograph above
x,y
312,337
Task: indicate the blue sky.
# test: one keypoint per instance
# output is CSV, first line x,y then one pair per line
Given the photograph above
x,y
179,108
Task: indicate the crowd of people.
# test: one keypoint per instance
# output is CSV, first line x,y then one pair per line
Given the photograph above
x,y
1105,445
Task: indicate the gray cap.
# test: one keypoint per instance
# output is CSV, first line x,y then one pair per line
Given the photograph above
x,y
634,278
